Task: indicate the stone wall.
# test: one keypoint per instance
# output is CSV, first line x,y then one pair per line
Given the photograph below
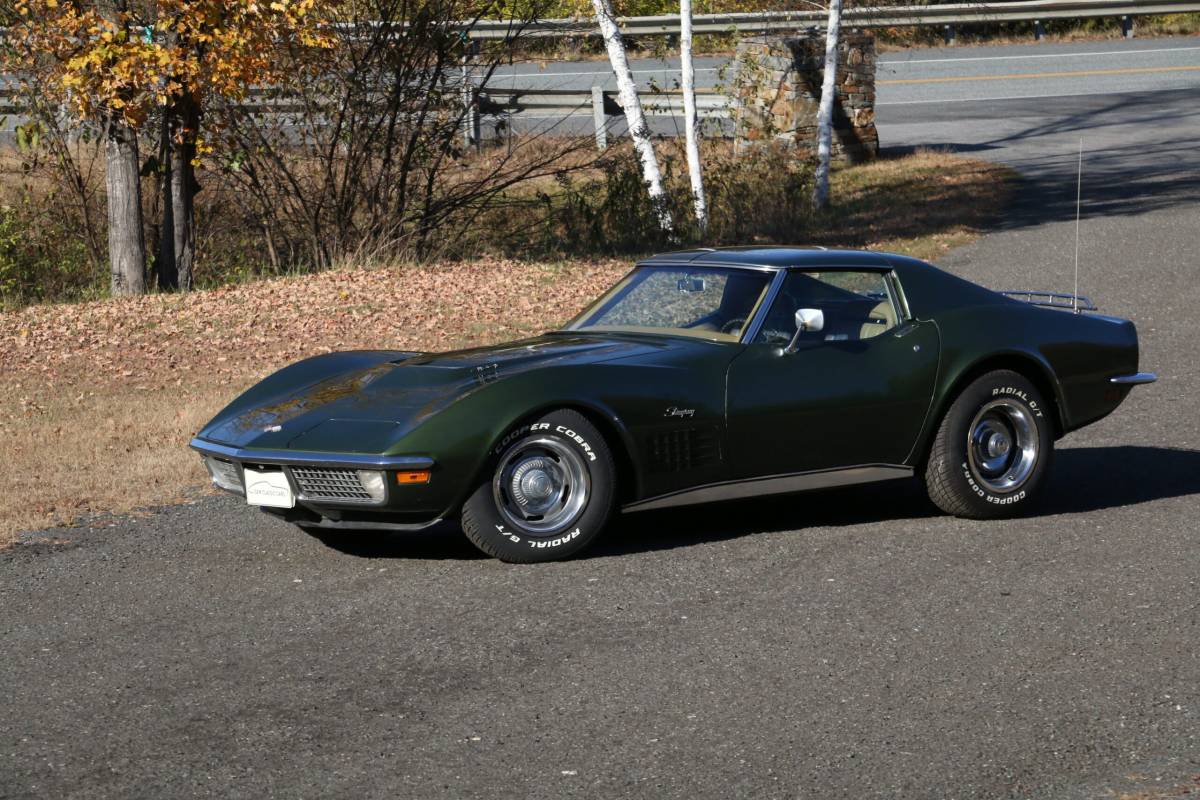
x,y
777,84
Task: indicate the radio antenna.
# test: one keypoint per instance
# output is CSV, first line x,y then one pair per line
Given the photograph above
x,y
1078,201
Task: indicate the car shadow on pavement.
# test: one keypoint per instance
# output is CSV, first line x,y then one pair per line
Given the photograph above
x,y
1082,480
1087,479
444,541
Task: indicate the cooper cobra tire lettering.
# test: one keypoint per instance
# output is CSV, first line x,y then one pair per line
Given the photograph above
x,y
971,481
991,498
579,440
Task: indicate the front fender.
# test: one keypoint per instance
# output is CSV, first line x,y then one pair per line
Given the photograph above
x,y
462,437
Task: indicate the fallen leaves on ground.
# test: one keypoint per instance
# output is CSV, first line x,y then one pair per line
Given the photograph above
x,y
251,329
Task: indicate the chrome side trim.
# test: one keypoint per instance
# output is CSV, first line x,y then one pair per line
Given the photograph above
x,y
1134,380
300,458
774,484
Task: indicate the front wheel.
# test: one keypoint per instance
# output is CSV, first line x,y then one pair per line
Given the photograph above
x,y
992,452
549,493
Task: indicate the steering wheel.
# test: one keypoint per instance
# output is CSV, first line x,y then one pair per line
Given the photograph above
x,y
734,325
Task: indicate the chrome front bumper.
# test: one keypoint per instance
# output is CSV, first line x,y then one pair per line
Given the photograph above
x,y
302,459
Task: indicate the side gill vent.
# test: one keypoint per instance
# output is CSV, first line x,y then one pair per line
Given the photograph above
x,y
684,449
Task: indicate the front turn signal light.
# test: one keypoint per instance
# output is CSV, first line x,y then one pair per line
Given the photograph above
x,y
413,476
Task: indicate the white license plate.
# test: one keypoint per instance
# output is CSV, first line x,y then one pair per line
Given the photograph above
x,y
268,488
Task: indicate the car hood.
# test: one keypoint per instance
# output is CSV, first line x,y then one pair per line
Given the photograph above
x,y
369,409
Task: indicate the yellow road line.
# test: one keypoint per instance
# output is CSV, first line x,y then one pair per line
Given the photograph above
x,y
1022,75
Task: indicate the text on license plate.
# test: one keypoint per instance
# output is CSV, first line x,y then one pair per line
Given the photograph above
x,y
268,488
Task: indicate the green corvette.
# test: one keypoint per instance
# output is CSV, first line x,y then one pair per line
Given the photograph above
x,y
703,375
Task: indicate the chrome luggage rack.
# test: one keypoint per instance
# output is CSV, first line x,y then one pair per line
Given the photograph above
x,y
1070,302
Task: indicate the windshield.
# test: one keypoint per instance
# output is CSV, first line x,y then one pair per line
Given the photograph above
x,y
708,302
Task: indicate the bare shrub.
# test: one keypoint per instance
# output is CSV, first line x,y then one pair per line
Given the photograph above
x,y
364,151
763,198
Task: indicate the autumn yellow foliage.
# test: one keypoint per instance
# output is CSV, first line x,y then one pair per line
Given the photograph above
x,y
123,59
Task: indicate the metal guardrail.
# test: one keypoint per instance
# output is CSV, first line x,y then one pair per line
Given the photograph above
x,y
564,102
862,17
600,104
856,17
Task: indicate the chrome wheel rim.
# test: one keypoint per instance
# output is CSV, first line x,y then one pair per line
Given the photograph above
x,y
541,486
1002,446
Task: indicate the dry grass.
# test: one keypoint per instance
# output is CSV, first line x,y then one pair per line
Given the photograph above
x,y
102,397
921,205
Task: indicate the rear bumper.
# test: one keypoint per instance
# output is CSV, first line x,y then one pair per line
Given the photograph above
x,y
1136,379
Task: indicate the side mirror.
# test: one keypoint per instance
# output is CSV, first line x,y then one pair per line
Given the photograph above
x,y
808,320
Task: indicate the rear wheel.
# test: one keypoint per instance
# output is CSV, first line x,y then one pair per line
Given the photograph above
x,y
993,449
549,493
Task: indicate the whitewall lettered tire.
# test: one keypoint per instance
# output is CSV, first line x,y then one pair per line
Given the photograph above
x,y
549,492
993,449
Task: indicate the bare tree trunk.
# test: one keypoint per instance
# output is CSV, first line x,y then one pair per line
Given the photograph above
x,y
164,263
183,192
690,121
825,110
126,247
632,104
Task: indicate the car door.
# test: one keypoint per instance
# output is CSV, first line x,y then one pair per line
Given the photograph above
x,y
853,393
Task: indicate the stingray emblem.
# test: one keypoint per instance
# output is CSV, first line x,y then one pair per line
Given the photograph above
x,y
674,411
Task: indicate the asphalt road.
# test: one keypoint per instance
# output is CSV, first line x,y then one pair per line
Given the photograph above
x,y
1121,65
848,644
910,82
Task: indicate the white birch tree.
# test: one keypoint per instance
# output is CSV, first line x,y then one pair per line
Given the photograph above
x,y
825,109
690,120
627,95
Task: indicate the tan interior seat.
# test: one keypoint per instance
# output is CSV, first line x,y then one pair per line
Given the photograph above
x,y
879,319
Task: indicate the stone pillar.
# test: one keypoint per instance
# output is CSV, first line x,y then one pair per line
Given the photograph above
x,y
777,86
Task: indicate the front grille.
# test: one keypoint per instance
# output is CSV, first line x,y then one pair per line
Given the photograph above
x,y
329,484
